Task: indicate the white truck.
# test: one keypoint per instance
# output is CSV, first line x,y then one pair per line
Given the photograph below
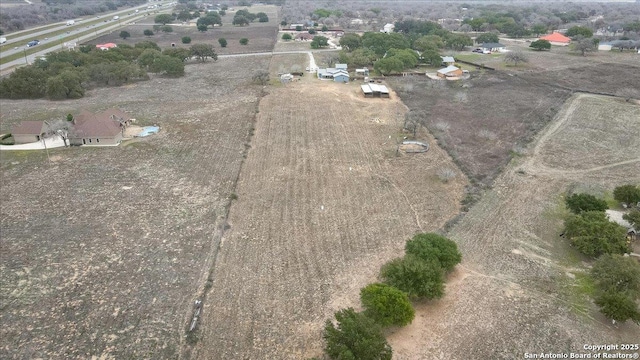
x,y
3,40
116,17
70,22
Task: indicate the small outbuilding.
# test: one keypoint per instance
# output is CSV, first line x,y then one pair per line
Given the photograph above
x,y
374,90
362,72
448,60
493,47
335,74
106,46
450,71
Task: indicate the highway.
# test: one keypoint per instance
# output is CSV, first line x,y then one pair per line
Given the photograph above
x,y
70,33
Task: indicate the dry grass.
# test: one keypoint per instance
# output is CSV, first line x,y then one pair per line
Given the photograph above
x,y
104,250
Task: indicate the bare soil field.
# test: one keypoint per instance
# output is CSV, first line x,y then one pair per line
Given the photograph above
x,y
105,249
485,120
262,36
323,202
516,290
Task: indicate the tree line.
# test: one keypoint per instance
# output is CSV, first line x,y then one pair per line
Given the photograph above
x,y
68,74
616,277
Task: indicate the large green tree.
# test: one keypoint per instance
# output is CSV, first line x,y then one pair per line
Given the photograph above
x,y
386,305
351,42
430,246
579,31
618,306
487,38
389,65
616,273
593,234
416,277
629,194
578,203
203,51
540,45
356,337
458,42
163,19
319,41
428,42
633,217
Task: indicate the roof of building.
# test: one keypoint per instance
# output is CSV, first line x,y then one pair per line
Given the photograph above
x,y
106,46
332,72
117,113
375,88
341,66
366,89
103,124
492,45
448,69
556,37
448,59
362,70
616,217
28,127
340,73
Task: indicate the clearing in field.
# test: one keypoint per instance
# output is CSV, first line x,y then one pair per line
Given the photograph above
x,y
517,289
323,202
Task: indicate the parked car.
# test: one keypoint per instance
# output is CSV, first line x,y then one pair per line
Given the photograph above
x,y
33,43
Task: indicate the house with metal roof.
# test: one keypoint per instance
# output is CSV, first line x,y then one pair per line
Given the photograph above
x,y
448,60
493,47
335,74
450,71
374,90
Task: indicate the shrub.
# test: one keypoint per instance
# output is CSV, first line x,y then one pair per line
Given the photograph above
x,y
579,203
244,41
147,32
186,40
222,42
386,305
418,278
428,247
355,337
287,36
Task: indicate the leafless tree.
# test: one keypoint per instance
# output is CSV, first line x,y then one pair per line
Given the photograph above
x,y
516,57
59,127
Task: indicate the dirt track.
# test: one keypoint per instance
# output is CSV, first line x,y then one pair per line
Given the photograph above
x,y
322,202
514,291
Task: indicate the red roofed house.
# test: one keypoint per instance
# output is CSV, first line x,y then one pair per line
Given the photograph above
x,y
106,46
105,128
27,132
557,39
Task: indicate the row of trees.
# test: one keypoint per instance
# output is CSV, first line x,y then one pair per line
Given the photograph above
x,y
68,74
414,41
616,277
244,17
417,275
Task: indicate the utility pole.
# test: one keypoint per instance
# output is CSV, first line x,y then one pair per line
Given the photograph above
x,y
25,57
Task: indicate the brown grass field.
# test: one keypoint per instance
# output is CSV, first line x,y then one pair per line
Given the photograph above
x,y
518,288
276,204
323,202
105,249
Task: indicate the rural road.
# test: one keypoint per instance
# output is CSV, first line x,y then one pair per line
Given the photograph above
x,y
274,53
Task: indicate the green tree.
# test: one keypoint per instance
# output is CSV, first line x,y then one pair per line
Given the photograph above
x,y
211,19
286,36
283,23
578,203
428,42
163,19
298,28
202,28
594,235
487,38
418,278
184,15
167,65
538,29
579,31
388,65
124,34
616,273
322,13
222,13
408,57
386,305
325,28
186,40
430,246
244,41
262,17
432,58
147,57
583,45
351,42
458,42
203,51
146,45
628,194
380,43
319,41
619,306
312,31
240,20
356,337
540,45
166,28
181,54
633,217
147,32
222,42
